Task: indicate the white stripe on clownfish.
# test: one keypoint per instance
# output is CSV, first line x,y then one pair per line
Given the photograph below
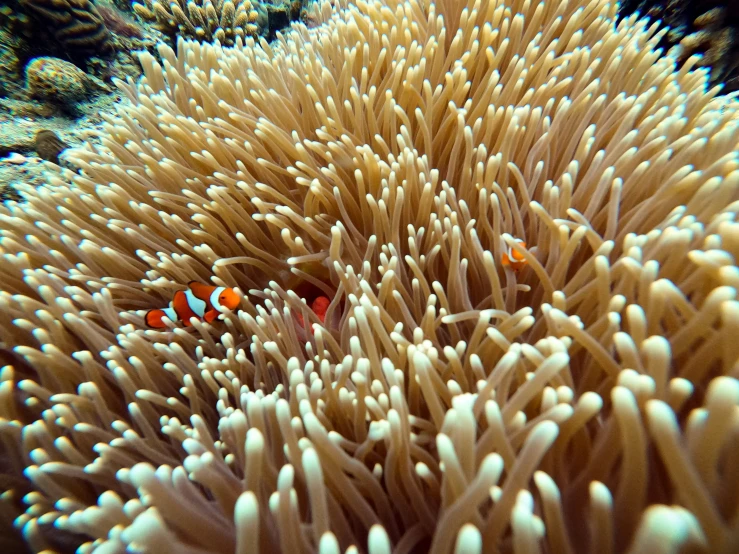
x,y
514,259
196,305
214,298
170,313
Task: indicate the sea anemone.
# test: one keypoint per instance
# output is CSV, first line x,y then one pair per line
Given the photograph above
x,y
584,400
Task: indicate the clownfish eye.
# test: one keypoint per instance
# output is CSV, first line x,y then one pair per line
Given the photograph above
x,y
222,298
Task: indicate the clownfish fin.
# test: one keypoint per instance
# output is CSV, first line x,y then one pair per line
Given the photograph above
x,y
153,318
211,315
201,290
505,260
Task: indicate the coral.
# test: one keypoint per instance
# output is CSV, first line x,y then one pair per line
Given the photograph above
x,y
56,80
278,18
49,145
26,108
204,20
76,24
123,66
11,68
276,15
295,7
9,193
119,24
698,27
715,40
18,129
15,21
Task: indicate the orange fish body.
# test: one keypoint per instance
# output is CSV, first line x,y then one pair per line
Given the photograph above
x,y
514,260
200,301
307,289
319,307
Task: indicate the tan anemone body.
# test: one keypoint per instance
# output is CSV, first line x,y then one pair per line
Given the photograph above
x,y
586,403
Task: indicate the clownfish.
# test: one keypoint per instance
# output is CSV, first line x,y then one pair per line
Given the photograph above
x,y
319,307
513,259
201,301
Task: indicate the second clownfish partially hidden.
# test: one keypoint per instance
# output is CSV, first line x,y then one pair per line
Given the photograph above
x,y
201,301
514,260
319,307
314,296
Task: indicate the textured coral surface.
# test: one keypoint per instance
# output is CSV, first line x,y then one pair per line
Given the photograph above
x,y
76,24
709,28
55,80
205,20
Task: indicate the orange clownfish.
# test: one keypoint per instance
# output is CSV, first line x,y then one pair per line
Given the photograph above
x,y
319,307
201,301
513,259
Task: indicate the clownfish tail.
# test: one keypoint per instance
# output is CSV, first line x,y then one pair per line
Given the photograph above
x,y
153,318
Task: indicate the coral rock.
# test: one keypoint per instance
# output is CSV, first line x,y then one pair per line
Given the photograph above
x,y
278,18
8,193
695,29
714,40
77,25
55,80
49,145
